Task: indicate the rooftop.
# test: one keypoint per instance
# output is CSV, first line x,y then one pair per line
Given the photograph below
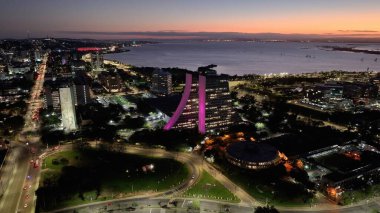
x,y
252,152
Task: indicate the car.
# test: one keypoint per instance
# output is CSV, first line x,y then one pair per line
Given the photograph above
x,y
26,196
36,164
25,205
25,187
192,177
129,209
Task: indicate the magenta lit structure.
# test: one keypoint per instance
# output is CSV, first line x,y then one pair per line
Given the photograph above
x,y
182,103
202,104
205,104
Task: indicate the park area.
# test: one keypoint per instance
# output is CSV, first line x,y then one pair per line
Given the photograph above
x,y
269,185
82,176
209,188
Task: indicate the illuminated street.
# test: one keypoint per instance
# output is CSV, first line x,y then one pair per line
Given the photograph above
x,y
214,106
18,162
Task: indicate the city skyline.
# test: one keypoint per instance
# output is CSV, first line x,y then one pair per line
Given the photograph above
x,y
190,106
184,19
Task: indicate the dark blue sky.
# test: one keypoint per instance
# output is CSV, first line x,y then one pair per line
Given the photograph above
x,y
64,17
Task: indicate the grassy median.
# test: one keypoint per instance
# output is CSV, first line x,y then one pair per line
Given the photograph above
x,y
209,188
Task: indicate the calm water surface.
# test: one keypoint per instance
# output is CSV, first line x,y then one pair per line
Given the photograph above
x,y
251,57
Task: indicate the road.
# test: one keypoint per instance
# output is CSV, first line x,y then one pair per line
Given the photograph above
x,y
17,165
35,102
194,163
150,202
149,205
325,123
14,172
126,67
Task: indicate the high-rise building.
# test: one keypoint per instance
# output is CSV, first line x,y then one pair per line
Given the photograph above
x,y
186,114
219,114
51,98
97,62
37,56
80,89
66,97
161,82
205,103
111,81
81,93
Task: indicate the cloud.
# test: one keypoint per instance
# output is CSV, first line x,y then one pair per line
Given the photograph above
x,y
175,34
186,34
164,33
358,31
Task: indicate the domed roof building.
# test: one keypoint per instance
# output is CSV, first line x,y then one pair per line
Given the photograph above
x,y
251,155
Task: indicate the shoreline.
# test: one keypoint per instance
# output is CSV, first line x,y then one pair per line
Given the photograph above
x,y
262,60
125,66
352,49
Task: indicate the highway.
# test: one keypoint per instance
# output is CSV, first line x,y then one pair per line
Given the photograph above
x,y
17,171
14,172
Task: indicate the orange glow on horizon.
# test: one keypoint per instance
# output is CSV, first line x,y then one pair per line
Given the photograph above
x,y
322,24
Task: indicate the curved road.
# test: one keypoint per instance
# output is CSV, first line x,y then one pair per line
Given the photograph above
x,y
193,163
151,202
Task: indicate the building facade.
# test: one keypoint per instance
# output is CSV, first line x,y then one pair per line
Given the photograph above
x,y
161,83
97,63
80,90
69,121
51,98
205,104
219,114
111,81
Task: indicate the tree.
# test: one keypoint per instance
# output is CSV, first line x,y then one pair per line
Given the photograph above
x,y
15,122
134,123
266,209
144,108
301,176
170,139
52,137
234,95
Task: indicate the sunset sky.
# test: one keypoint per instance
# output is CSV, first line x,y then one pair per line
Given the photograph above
x,y
162,18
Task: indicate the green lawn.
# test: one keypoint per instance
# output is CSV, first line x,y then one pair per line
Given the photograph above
x,y
209,188
73,157
91,175
263,192
259,186
358,195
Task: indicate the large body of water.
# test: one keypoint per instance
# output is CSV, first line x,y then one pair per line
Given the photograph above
x,y
251,57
